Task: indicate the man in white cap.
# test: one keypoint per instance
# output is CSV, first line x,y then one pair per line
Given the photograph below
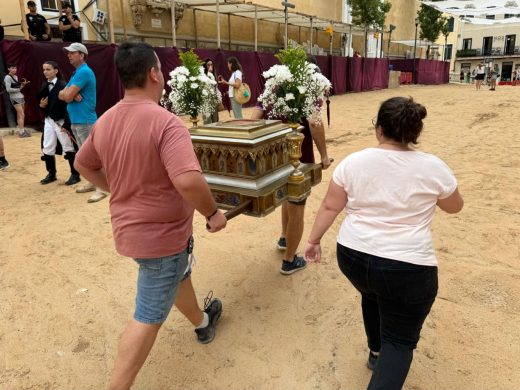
x,y
80,94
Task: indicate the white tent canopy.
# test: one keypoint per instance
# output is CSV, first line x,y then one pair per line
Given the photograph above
x,y
476,10
491,21
412,42
476,7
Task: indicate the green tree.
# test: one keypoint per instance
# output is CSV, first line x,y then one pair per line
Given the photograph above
x,y
369,14
432,23
445,31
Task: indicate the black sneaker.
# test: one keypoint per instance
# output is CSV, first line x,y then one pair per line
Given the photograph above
x,y
4,164
48,179
282,245
73,179
372,360
297,264
214,309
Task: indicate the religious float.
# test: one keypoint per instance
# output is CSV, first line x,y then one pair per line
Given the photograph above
x,y
252,166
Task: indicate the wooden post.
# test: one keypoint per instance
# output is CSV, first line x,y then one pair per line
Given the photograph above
x,y
312,31
195,28
256,28
125,36
229,29
110,22
25,29
218,24
349,40
174,33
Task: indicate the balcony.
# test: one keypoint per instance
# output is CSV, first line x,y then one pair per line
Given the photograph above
x,y
495,52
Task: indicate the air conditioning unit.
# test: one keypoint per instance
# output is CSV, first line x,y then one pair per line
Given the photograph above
x,y
99,16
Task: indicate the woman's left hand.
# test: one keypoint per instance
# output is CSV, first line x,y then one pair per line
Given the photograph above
x,y
312,253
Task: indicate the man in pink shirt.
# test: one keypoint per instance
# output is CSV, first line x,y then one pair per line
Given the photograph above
x,y
143,156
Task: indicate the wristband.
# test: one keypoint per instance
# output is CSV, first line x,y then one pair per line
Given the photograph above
x,y
212,214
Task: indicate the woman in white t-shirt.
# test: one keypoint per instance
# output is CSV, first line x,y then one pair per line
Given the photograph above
x,y
480,75
234,82
390,193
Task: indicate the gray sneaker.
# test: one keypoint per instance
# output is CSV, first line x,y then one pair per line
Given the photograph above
x,y
214,309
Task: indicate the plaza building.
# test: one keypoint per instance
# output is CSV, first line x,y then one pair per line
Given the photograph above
x,y
151,21
496,45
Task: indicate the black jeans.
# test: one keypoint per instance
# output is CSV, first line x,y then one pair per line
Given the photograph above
x,y
396,297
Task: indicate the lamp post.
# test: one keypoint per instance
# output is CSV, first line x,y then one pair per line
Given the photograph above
x,y
390,29
286,5
414,50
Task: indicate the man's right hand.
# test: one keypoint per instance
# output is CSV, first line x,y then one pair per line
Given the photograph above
x,y
78,98
32,37
216,222
44,102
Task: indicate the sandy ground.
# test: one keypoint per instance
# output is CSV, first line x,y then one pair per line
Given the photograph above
x,y
66,295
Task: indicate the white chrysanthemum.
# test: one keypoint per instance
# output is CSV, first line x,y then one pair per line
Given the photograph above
x,y
289,96
194,85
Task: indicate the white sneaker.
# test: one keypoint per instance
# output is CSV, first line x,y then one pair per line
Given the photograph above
x,y
87,187
98,195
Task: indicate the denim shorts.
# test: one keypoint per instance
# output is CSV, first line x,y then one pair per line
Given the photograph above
x,y
157,285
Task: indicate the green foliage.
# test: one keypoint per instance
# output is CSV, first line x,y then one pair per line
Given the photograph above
x,y
432,23
445,28
191,61
369,13
294,57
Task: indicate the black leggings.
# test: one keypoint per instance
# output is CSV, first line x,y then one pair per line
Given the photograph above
x,y
396,297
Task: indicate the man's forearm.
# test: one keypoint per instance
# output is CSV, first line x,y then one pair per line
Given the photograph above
x,y
67,95
318,136
194,189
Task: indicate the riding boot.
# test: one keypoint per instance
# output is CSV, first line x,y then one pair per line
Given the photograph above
x,y
50,165
74,175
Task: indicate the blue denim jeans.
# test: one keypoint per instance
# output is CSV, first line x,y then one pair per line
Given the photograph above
x,y
396,297
157,286
237,108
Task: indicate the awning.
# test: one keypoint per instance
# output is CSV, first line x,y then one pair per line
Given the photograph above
x,y
482,21
420,43
476,7
262,12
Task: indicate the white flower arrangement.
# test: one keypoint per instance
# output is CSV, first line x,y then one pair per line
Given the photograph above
x,y
294,89
192,91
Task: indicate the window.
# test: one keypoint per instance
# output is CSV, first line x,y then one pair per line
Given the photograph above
x,y
448,53
507,16
52,5
466,44
490,16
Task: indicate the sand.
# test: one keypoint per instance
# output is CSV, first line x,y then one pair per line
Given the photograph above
x,y
66,295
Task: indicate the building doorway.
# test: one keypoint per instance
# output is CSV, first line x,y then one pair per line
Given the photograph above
x,y
507,70
487,46
509,48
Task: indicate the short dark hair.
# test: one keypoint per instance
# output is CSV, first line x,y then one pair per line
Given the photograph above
x,y
31,3
11,65
133,61
235,65
400,119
